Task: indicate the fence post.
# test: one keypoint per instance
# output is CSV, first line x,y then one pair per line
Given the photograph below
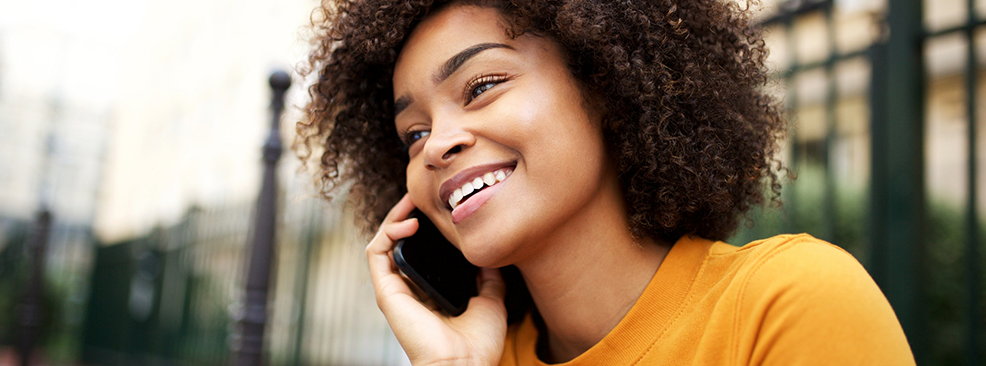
x,y
973,271
254,316
30,311
897,178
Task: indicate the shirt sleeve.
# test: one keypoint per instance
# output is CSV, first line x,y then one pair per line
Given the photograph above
x,y
811,303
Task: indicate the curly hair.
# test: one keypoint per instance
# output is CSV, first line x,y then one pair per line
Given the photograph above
x,y
688,118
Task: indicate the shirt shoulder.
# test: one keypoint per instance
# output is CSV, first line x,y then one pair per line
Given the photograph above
x,y
810,302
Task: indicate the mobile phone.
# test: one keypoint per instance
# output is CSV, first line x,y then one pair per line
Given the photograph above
x,y
437,266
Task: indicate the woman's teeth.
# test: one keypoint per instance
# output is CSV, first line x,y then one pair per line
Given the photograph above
x,y
477,184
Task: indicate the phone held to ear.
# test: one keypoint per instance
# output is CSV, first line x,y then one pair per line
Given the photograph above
x,y
437,266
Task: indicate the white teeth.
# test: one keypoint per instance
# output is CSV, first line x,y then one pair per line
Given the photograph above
x,y
477,183
455,198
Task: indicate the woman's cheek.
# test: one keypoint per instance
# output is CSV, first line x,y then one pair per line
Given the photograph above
x,y
414,187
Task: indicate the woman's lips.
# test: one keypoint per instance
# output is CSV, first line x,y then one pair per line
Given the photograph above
x,y
458,181
469,206
477,184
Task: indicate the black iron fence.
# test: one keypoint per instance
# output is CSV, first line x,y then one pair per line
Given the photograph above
x,y
173,297
57,301
870,93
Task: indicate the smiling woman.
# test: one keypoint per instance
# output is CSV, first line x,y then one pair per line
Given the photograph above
x,y
597,149
492,102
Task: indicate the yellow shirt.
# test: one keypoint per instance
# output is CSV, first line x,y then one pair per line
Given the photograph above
x,y
788,300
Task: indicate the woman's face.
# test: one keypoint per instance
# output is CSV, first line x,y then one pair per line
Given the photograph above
x,y
504,152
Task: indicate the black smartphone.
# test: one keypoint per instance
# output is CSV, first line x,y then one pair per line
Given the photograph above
x,y
437,266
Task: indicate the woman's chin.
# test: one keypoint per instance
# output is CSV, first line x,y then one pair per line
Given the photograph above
x,y
486,256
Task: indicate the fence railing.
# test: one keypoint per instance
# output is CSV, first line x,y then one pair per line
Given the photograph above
x,y
876,96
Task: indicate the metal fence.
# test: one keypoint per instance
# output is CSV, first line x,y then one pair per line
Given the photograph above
x,y
172,297
62,301
176,296
868,110
197,293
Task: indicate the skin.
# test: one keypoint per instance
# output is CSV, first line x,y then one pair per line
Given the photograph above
x,y
559,217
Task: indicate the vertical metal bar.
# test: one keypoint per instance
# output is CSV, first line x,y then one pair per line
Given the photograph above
x,y
791,212
828,196
879,176
897,187
250,352
30,316
972,214
305,259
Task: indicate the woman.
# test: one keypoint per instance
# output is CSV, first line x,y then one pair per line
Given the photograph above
x,y
623,140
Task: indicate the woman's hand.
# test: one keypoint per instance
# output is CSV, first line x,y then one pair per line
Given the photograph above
x,y
428,335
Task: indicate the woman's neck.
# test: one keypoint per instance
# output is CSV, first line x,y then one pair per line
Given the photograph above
x,y
588,276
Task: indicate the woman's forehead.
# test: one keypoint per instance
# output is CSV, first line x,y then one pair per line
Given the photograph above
x,y
450,30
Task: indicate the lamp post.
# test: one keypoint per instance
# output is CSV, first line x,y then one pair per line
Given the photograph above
x,y
254,316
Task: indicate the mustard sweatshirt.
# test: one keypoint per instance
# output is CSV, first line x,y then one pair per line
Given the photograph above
x,y
788,300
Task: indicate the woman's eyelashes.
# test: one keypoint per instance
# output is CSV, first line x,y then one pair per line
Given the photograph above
x,y
481,84
410,137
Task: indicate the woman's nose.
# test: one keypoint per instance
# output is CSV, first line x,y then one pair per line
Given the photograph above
x,y
442,147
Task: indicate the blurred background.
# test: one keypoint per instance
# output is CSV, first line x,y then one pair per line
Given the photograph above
x,y
138,128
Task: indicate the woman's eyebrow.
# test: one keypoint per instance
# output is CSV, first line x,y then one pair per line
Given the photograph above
x,y
448,68
401,104
460,58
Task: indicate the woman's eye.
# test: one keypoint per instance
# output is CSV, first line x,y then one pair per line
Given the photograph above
x,y
414,136
481,85
481,89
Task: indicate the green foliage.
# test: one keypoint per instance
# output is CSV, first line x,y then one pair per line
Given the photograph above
x,y
945,284
804,210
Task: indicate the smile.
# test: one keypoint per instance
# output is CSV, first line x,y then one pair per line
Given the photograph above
x,y
477,184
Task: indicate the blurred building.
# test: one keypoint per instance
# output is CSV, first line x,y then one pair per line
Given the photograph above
x,y
139,124
132,111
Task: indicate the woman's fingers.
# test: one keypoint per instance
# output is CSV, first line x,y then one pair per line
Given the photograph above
x,y
492,290
378,251
491,284
425,332
484,324
401,209
397,215
386,280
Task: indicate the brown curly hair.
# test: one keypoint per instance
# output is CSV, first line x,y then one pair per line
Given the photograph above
x,y
689,121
